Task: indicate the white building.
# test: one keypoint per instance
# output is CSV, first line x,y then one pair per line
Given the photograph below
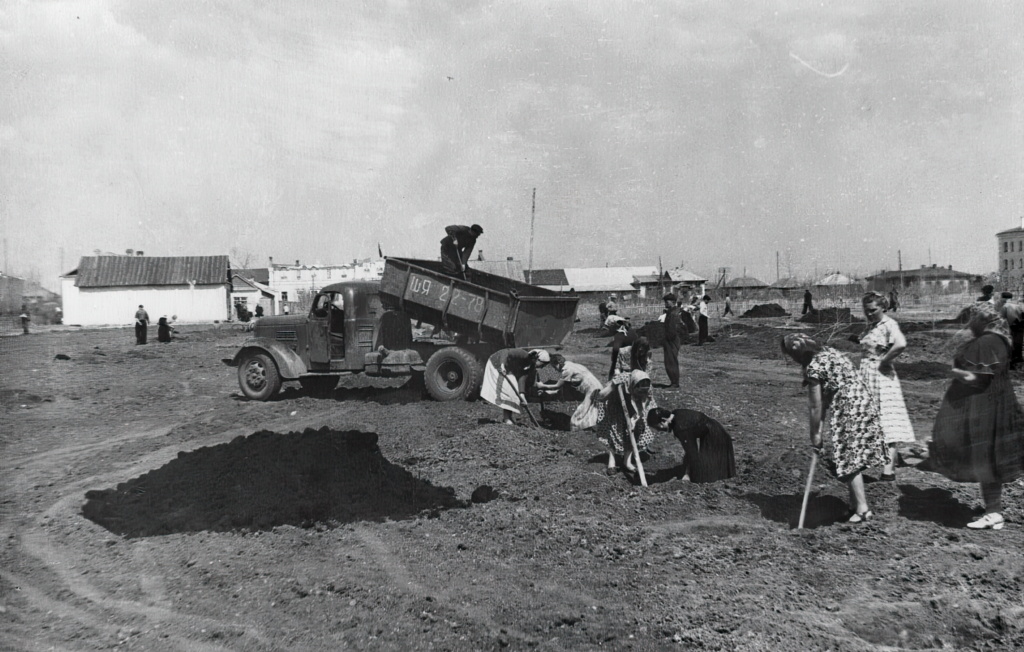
x,y
297,283
105,290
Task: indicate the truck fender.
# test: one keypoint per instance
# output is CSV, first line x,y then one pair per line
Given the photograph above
x,y
289,364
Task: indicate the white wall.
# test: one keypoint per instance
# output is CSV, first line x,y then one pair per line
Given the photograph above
x,y
112,306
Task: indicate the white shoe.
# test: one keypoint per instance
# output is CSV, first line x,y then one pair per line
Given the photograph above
x,y
993,521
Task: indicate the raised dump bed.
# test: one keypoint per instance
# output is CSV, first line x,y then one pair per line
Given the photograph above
x,y
486,307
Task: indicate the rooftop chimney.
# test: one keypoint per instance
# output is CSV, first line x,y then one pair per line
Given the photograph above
x,y
271,260
296,262
934,265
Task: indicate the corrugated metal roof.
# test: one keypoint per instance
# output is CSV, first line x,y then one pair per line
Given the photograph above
x,y
650,279
512,269
258,274
241,284
923,272
547,277
121,271
680,275
611,279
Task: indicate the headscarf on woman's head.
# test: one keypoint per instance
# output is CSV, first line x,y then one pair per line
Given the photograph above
x,y
800,346
541,356
636,377
992,319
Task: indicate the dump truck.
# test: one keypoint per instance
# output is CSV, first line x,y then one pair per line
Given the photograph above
x,y
377,328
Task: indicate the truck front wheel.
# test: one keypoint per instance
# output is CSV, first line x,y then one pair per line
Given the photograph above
x,y
452,374
258,377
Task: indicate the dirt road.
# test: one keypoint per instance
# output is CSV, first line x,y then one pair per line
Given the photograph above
x,y
147,506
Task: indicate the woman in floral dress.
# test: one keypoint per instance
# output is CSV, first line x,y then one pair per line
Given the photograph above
x,y
979,430
613,424
882,343
833,385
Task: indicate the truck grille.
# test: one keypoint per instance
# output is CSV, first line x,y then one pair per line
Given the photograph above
x,y
286,336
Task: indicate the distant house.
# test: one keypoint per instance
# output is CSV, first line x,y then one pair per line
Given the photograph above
x,y
109,289
945,278
652,285
788,283
1011,253
298,282
550,279
836,280
595,281
745,283
11,290
250,293
606,280
682,278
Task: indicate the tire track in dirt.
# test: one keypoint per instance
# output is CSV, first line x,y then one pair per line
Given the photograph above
x,y
387,561
35,543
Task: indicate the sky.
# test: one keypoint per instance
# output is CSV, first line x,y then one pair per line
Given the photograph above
x,y
773,137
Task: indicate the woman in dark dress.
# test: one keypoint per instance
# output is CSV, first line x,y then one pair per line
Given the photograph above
x,y
163,330
707,445
978,435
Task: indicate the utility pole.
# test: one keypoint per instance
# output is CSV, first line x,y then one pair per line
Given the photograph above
x,y
533,216
777,277
899,263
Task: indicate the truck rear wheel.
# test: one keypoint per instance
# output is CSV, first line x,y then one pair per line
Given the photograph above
x,y
258,377
452,374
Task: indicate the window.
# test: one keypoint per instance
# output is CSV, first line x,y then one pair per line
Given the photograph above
x,y
1006,264
284,296
1004,247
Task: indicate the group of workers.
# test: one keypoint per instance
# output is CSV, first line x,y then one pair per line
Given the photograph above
x,y
622,411
978,434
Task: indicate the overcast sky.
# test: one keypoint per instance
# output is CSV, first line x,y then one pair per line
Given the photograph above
x,y
707,133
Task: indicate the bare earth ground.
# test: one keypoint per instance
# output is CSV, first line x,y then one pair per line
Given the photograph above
x,y
146,506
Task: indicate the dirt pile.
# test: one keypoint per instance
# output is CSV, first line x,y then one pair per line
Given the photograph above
x,y
828,316
266,480
766,310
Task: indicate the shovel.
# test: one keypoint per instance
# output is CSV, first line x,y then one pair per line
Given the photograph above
x,y
632,438
807,489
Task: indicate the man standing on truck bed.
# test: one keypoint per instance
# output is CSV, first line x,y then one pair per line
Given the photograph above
x,y
457,247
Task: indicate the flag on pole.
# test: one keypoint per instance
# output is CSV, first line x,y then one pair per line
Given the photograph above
x,y
379,252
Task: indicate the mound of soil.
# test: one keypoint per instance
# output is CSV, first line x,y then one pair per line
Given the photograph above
x,y
766,310
829,316
266,480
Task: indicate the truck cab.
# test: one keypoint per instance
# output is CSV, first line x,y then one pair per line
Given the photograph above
x,y
313,348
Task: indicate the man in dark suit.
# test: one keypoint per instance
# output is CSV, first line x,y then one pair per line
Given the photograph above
x,y
674,332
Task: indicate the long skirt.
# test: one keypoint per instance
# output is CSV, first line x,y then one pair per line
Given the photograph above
x,y
587,412
892,408
500,389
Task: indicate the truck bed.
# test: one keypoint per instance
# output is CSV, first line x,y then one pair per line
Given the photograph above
x,y
485,307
